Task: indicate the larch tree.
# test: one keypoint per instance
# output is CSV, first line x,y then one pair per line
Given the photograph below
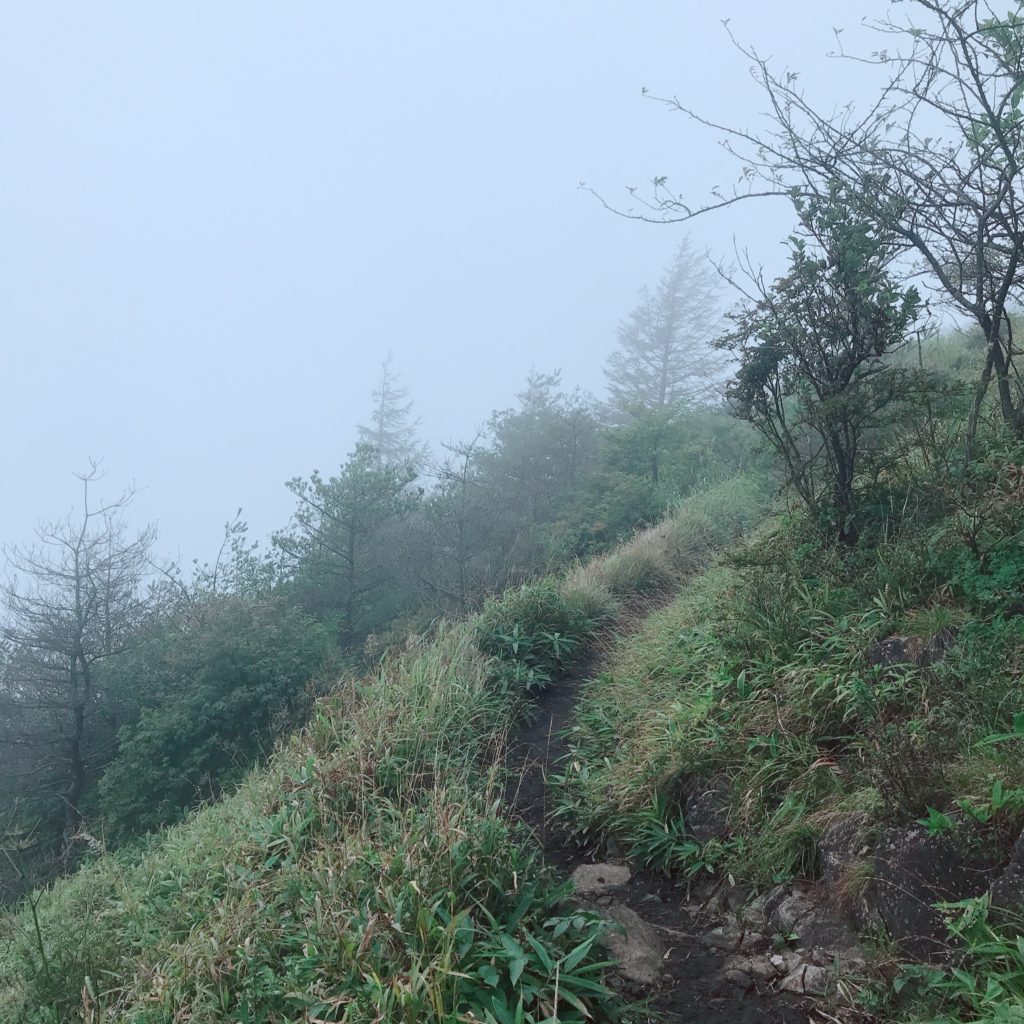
x,y
72,600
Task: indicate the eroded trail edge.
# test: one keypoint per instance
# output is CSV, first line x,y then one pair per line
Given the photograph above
x,y
686,954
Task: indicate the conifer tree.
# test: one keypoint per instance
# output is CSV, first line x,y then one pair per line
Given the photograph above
x,y
665,357
392,430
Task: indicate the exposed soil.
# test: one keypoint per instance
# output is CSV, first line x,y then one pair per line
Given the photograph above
x,y
693,988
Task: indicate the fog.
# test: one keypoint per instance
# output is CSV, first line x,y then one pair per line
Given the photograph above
x,y
218,218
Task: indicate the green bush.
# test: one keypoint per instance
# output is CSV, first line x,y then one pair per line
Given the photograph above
x,y
218,692
534,632
983,983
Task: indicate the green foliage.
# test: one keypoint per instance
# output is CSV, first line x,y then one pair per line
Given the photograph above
x,y
365,874
980,548
533,633
341,545
659,839
803,675
983,984
213,698
812,377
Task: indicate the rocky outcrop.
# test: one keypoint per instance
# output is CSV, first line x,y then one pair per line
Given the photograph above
x,y
912,871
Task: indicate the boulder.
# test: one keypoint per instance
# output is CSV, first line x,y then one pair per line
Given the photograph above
x,y
914,870
635,944
789,912
826,928
809,980
805,913
599,879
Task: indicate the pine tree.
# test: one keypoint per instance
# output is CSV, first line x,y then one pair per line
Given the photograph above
x,y
665,359
392,431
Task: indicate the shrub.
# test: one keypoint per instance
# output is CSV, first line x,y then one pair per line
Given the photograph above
x,y
220,692
534,632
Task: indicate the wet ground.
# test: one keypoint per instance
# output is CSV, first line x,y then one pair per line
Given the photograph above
x,y
693,988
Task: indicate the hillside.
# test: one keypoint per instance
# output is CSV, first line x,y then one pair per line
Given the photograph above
x,y
372,871
795,751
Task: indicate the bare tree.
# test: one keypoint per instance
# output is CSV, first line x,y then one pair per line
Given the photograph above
x,y
72,600
936,159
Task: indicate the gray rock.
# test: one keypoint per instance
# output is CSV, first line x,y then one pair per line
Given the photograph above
x,y
705,887
1008,889
739,978
844,844
809,980
914,870
826,928
784,963
760,968
726,937
771,900
790,911
706,810
752,915
635,944
754,942
737,897
597,879
849,960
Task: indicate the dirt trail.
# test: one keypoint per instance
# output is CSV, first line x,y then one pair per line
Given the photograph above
x,y
694,988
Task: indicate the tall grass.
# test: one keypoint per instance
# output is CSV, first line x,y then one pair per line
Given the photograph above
x,y
365,875
763,676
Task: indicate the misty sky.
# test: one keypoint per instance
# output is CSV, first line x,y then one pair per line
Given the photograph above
x,y
217,218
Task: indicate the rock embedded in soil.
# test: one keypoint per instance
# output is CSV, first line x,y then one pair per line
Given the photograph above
x,y
600,879
754,942
726,937
913,871
809,980
823,928
1008,889
635,944
739,978
785,963
843,846
790,911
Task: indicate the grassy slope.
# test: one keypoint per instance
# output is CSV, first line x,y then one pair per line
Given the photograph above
x,y
765,674
367,873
